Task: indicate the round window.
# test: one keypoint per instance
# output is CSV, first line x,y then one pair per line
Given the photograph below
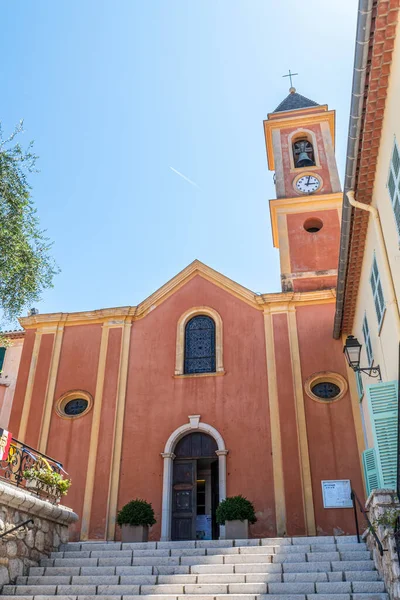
x,y
326,390
74,404
75,407
325,387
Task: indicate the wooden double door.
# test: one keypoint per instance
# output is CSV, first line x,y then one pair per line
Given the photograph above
x,y
201,450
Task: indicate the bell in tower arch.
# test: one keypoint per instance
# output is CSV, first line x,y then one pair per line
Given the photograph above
x,y
303,154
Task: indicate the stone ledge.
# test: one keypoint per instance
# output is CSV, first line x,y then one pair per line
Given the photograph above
x,y
23,500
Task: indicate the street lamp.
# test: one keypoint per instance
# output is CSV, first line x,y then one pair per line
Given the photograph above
x,y
352,351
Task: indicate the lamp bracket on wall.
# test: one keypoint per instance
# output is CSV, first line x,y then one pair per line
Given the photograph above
x,y
352,351
371,371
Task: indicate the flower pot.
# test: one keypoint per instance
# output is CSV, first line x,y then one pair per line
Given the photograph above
x,y
43,490
237,530
135,533
31,484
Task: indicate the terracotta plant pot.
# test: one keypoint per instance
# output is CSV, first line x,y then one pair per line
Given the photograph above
x,y
237,530
135,533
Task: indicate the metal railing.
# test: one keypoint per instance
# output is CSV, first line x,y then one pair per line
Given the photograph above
x,y
22,457
16,527
397,526
371,528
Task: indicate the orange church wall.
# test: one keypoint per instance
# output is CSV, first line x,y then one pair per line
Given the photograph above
x,y
330,427
2,394
69,438
22,380
39,390
295,524
313,251
106,435
236,403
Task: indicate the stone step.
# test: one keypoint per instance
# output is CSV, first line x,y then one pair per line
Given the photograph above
x,y
160,552
365,577
370,596
107,546
281,594
286,588
113,578
366,567
229,559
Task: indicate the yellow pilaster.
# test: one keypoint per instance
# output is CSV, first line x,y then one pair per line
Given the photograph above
x,y
118,430
308,501
94,434
29,387
51,386
276,441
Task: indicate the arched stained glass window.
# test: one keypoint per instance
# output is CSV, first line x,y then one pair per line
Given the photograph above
x,y
200,345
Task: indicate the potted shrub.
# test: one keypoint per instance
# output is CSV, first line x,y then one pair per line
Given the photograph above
x,y
135,518
236,513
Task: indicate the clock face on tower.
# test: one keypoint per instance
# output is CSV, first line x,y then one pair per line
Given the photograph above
x,y
307,184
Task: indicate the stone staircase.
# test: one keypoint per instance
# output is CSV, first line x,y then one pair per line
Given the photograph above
x,y
318,568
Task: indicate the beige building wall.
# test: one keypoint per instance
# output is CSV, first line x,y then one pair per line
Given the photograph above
x,y
8,379
384,339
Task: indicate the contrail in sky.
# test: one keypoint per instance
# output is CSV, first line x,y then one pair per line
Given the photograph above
x,y
184,177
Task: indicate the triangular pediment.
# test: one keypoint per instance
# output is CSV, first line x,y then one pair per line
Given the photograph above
x,y
197,268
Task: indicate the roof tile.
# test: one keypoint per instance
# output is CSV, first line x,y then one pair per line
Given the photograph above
x,y
295,101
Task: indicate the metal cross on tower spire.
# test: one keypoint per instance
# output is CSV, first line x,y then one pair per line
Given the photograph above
x,y
290,74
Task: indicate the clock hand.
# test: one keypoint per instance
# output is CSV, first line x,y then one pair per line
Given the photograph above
x,y
309,177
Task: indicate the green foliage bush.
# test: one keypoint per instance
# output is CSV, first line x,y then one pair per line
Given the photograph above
x,y
235,508
26,265
136,512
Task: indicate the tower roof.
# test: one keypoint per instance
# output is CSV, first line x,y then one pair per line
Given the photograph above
x,y
294,101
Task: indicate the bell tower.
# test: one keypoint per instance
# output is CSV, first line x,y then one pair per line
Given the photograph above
x,y
305,216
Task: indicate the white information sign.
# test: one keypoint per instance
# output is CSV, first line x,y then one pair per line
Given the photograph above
x,y
336,493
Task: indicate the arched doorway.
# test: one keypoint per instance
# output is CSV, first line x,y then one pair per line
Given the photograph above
x,y
195,489
193,426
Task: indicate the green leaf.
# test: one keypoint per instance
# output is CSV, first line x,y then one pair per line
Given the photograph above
x,y
26,265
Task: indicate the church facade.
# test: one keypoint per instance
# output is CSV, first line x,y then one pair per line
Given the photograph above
x,y
206,389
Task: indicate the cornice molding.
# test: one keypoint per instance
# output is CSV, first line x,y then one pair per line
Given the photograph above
x,y
294,113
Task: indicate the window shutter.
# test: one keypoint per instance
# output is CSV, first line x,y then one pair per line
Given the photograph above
x,y
367,340
2,355
360,387
377,291
382,399
394,184
371,472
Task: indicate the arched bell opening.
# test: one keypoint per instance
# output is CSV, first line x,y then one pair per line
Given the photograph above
x,y
195,488
303,153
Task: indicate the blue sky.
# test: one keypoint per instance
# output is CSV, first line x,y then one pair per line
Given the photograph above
x,y
116,92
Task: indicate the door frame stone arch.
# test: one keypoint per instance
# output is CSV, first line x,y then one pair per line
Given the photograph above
x,y
168,456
